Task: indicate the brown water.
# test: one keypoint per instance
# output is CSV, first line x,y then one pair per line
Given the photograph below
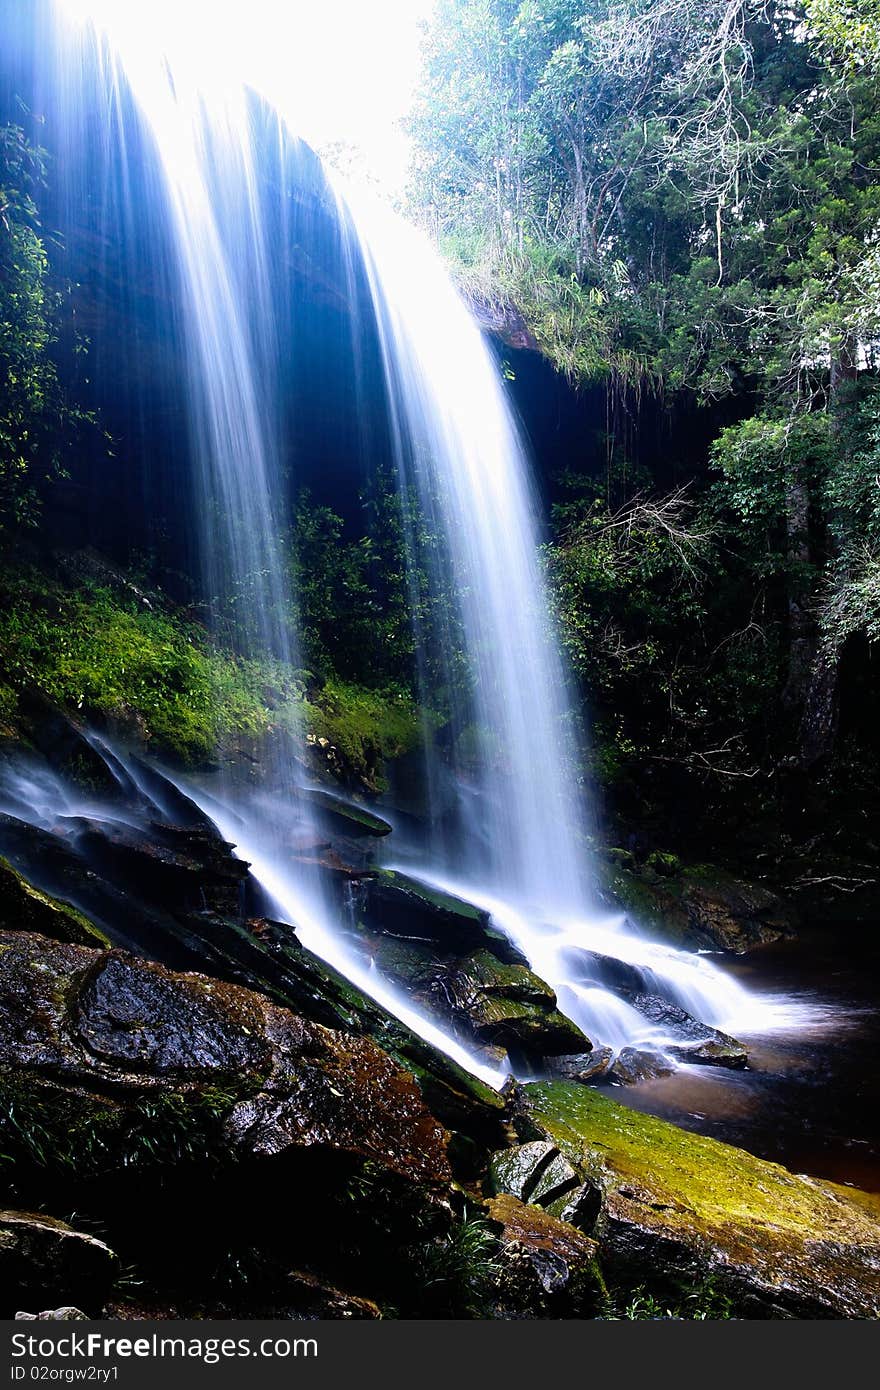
x,y
811,1096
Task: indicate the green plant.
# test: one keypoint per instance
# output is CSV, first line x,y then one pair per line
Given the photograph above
x,y
459,1271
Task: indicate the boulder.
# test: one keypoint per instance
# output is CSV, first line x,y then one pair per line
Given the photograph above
x,y
516,1170
537,1173
41,1258
584,1067
399,905
734,914
546,1267
635,1064
701,907
688,1039
120,1054
678,1210
498,1005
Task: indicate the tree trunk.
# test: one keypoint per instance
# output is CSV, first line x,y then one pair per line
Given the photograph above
x,y
801,628
818,731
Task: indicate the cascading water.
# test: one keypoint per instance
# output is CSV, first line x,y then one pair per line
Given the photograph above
x,y
518,842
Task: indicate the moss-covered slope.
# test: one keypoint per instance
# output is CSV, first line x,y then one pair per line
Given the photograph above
x,y
681,1207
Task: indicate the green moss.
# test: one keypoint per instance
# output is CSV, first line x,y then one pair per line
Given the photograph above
x,y
665,864
25,908
699,1183
363,728
109,654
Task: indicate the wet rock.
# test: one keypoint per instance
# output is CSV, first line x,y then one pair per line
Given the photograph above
x,y
460,1100
583,1067
399,905
66,1314
41,1258
547,1268
528,1030
701,907
516,1170
635,1064
25,908
67,746
175,806
537,1173
167,866
736,915
499,1006
592,968
686,1037
345,816
556,1180
678,1209
97,1031
503,321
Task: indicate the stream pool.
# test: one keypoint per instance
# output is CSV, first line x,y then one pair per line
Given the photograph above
x,y
809,1099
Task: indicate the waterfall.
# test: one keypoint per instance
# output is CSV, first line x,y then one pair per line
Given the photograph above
x,y
510,827
518,838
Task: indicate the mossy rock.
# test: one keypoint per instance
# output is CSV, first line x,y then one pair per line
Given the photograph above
x,y
497,1006
531,1029
699,907
459,1099
401,905
25,908
344,816
679,1209
547,1267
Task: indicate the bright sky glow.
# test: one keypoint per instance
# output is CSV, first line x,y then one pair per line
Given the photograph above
x,y
339,71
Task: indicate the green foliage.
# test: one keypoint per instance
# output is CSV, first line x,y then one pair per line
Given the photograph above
x,y
375,599
703,1304
674,192
115,655
352,590
58,1132
644,599
39,426
849,28
681,196
459,1272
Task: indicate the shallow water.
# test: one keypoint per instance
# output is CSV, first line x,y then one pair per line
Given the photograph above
x,y
811,1098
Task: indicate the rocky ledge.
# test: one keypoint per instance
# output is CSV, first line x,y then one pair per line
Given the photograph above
x,y
692,1210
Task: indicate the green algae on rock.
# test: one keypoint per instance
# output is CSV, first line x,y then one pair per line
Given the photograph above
x,y
24,907
679,1208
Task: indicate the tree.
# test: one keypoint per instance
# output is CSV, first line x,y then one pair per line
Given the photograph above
x,y
38,425
681,197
